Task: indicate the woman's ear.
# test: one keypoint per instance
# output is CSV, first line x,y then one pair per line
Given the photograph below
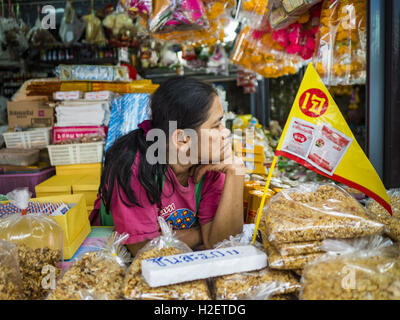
x,y
180,140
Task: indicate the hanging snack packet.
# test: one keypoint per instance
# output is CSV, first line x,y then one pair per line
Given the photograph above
x,y
39,242
171,15
136,287
96,275
10,279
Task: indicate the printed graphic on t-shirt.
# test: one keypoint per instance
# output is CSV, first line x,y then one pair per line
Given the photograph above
x,y
179,219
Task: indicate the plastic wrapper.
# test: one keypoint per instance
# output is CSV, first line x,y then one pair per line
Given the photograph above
x,y
256,285
218,62
96,275
217,13
138,6
261,284
257,51
10,279
71,28
136,287
377,212
14,37
118,23
39,242
368,271
313,212
40,37
94,30
286,12
126,113
298,248
19,157
171,15
341,54
92,73
279,262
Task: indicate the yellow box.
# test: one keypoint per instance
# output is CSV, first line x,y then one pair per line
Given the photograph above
x,y
82,169
75,222
89,186
56,185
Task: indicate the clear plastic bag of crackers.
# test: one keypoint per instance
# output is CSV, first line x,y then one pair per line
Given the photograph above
x,y
96,275
10,279
313,212
39,242
364,269
135,286
379,213
263,284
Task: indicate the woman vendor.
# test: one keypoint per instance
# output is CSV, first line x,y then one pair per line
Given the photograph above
x,y
202,198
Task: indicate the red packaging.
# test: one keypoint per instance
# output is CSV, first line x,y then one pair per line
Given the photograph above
x,y
65,133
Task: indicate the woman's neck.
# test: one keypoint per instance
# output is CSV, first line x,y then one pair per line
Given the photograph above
x,y
181,173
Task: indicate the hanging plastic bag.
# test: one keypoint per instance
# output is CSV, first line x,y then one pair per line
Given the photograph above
x,y
10,279
71,28
366,270
136,287
39,241
138,6
171,15
39,37
218,62
96,275
94,30
341,54
377,212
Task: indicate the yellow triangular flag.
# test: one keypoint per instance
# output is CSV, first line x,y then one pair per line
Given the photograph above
x,y
317,136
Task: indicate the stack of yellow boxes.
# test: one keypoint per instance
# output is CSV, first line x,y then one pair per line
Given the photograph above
x,y
73,184
252,155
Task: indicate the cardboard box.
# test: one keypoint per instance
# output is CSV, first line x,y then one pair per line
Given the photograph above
x,y
29,114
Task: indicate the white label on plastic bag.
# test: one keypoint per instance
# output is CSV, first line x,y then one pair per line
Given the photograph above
x,y
204,264
299,137
328,149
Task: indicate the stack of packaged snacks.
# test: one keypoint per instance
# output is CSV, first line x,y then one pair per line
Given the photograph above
x,y
296,220
340,57
96,275
365,270
377,212
135,286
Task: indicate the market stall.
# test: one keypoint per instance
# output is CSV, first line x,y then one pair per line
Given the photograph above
x,y
70,92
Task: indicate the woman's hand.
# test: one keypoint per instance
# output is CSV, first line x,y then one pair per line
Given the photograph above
x,y
233,165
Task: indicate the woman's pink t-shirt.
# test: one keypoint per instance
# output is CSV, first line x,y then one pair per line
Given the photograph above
x,y
178,206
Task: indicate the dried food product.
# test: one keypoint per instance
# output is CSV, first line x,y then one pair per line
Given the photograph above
x,y
10,280
248,285
136,287
39,242
298,248
36,266
363,275
377,212
96,275
277,261
313,212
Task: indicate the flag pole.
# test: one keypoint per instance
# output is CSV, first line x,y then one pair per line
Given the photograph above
x,y
259,214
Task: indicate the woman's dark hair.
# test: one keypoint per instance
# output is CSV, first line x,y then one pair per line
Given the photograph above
x,y
181,99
